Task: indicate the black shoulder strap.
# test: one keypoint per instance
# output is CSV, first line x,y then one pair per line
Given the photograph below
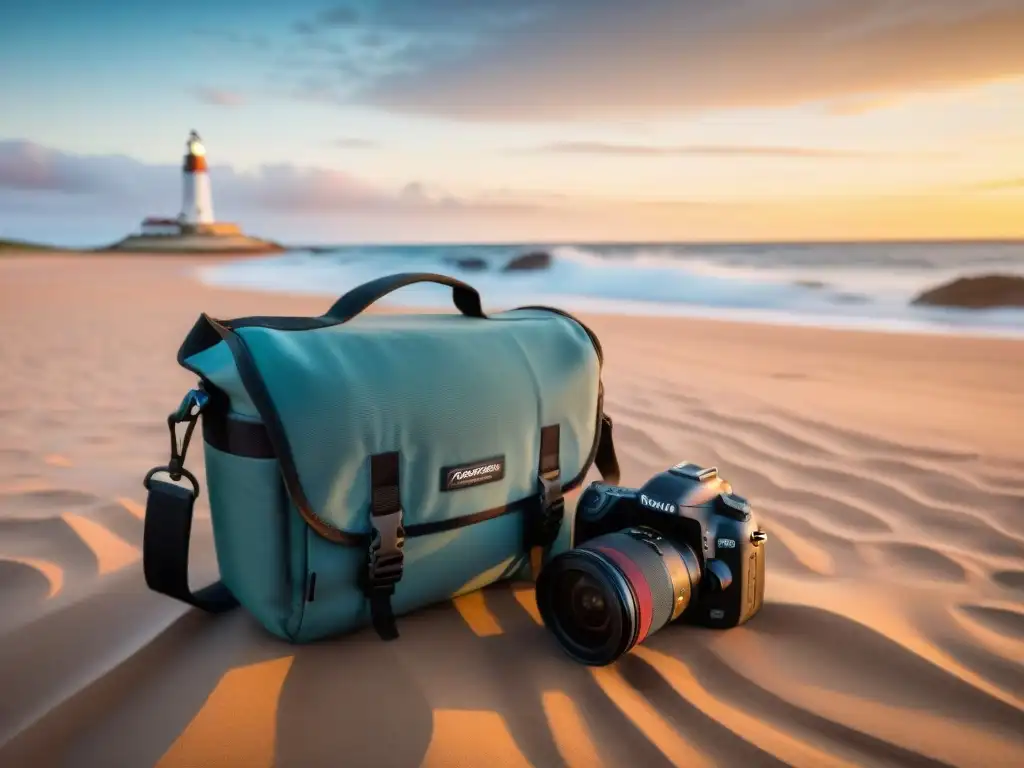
x,y
605,460
165,543
168,525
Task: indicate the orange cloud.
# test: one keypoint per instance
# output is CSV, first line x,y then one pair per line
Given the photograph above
x,y
1000,185
702,150
605,59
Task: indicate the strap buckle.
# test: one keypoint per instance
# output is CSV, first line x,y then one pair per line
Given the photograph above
x,y
386,559
543,527
187,413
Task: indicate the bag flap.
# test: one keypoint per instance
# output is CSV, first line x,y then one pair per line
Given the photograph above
x,y
444,391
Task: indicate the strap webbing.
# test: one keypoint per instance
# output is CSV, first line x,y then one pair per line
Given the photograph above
x,y
542,526
605,459
549,449
165,544
384,568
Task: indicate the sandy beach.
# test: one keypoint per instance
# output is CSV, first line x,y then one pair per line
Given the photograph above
x,y
888,470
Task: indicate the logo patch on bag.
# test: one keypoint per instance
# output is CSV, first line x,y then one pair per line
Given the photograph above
x,y
474,473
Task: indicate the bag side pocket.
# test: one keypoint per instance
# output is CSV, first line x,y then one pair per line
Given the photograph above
x,y
250,514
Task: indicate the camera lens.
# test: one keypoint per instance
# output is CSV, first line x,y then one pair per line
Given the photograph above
x,y
582,598
601,599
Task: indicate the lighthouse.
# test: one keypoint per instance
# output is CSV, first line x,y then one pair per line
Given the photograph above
x,y
194,230
196,197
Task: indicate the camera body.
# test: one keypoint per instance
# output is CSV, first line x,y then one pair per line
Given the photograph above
x,y
688,505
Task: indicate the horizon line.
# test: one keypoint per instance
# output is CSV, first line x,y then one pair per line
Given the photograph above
x,y
1015,240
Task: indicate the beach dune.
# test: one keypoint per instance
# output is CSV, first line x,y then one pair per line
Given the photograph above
x,y
888,471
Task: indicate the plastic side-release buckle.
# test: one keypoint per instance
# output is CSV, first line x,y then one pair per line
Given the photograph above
x,y
386,559
543,528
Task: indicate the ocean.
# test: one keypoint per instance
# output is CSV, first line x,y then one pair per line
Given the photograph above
x,y
866,286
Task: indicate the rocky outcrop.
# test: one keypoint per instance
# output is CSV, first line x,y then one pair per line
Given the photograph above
x,y
224,244
533,260
984,292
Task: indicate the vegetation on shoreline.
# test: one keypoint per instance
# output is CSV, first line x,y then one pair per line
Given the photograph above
x,y
139,244
22,245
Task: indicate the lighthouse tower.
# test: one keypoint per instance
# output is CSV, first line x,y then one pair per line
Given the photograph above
x,y
196,198
194,229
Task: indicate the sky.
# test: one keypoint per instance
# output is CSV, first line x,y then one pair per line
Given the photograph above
x,y
539,120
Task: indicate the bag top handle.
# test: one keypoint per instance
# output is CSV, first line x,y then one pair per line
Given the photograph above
x,y
464,296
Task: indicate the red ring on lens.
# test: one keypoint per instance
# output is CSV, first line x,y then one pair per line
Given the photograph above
x,y
642,590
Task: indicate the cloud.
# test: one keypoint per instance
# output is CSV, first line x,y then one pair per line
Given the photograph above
x,y
429,17
355,143
30,167
219,98
999,185
696,150
338,16
860,104
37,177
574,59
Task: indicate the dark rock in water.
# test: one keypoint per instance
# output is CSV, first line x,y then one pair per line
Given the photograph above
x,y
851,298
528,261
470,263
984,292
811,284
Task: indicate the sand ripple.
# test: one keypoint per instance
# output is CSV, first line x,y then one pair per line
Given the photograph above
x,y
1013,580
892,633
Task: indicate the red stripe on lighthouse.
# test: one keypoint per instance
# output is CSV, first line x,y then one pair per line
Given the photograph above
x,y
195,163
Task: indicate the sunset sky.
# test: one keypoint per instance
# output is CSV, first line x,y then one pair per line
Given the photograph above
x,y
473,120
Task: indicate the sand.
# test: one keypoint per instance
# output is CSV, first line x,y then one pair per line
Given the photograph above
x,y
888,471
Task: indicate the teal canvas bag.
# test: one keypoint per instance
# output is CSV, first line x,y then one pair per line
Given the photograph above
x,y
360,466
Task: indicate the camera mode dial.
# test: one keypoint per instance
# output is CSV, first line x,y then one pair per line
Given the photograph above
x,y
733,506
598,497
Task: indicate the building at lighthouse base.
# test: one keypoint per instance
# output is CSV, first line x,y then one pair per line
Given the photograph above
x,y
157,227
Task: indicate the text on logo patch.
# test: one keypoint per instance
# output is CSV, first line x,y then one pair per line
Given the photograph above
x,y
473,473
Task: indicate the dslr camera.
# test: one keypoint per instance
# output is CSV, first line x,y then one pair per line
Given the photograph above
x,y
682,547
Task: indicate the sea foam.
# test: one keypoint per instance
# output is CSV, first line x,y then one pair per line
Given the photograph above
x,y
851,286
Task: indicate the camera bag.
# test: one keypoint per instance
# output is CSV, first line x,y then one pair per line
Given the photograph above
x,y
360,466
